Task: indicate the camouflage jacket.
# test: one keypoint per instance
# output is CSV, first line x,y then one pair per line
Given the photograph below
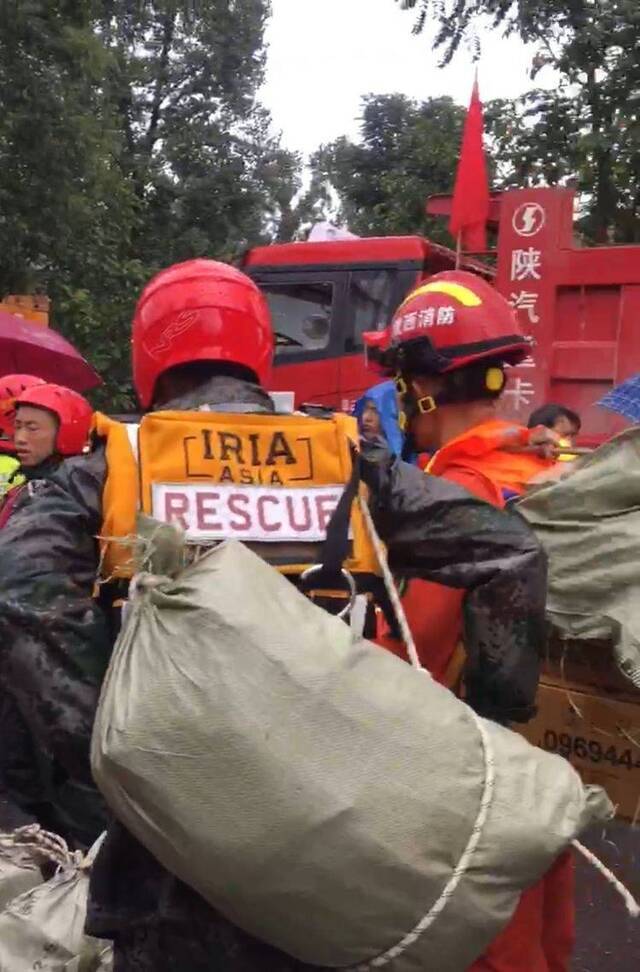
x,y
55,643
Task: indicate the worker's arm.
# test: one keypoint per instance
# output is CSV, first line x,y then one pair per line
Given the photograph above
x,y
436,530
53,636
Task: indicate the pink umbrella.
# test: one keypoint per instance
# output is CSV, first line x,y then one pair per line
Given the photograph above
x,y
33,349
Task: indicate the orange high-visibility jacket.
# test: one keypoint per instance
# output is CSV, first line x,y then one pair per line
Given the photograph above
x,y
541,933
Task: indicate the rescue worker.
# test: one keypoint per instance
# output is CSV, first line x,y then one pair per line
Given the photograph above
x,y
48,422
11,387
202,340
447,346
566,425
562,420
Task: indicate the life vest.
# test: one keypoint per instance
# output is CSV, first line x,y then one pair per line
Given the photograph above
x,y
486,449
10,475
272,481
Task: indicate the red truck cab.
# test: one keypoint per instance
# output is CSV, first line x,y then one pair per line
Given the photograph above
x,y
324,295
580,306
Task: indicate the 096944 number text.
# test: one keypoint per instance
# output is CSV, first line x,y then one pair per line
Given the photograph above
x,y
589,749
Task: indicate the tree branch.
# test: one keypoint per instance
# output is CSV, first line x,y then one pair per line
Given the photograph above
x,y
161,81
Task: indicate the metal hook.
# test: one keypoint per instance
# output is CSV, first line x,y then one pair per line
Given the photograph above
x,y
353,592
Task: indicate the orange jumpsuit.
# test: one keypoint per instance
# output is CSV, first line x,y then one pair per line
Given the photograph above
x,y
540,936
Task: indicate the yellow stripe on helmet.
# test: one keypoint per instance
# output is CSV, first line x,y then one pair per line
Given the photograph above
x,y
464,295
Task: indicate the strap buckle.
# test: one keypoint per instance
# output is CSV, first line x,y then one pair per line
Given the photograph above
x,y
426,404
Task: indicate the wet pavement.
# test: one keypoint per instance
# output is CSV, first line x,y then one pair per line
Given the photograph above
x,y
608,939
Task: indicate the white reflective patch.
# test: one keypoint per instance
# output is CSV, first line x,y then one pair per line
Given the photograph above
x,y
283,402
221,511
132,432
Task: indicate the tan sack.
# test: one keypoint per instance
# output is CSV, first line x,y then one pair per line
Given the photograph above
x,y
44,928
317,790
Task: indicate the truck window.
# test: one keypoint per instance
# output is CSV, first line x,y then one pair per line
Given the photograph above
x,y
373,297
301,315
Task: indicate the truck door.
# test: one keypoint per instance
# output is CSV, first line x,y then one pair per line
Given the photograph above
x,y
307,311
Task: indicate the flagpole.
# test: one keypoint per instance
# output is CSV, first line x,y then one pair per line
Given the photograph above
x,y
459,250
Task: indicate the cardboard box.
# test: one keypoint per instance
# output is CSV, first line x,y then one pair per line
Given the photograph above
x,y
598,734
586,663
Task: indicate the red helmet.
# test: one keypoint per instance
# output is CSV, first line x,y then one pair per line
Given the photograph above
x,y
11,387
451,320
200,310
72,410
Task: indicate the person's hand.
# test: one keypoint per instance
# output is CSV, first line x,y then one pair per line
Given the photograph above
x,y
545,442
376,460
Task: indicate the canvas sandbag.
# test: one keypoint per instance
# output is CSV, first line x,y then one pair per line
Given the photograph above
x,y
19,869
589,525
43,928
316,790
96,957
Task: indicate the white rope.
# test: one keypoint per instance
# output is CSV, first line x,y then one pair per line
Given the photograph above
x,y
461,867
390,586
40,842
489,772
487,795
631,904
51,846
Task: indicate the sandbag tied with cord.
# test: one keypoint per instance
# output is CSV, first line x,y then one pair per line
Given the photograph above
x,y
315,790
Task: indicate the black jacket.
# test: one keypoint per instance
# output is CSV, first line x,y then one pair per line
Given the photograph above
x,y
55,643
436,530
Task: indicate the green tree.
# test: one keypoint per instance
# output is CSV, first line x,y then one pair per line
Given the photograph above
x,y
407,151
587,129
130,138
183,79
66,213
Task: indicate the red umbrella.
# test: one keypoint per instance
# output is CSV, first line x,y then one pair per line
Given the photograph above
x,y
33,349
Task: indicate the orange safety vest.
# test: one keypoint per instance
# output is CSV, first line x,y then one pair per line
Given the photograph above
x,y
271,481
485,449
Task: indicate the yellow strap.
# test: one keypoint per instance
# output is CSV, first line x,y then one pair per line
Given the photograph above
x,y
120,494
452,677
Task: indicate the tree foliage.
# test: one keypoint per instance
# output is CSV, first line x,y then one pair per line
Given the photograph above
x,y
130,138
587,129
407,151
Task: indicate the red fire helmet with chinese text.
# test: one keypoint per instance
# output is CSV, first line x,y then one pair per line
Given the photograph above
x,y
200,310
450,321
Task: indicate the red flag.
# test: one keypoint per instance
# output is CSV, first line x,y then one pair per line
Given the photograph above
x,y
470,206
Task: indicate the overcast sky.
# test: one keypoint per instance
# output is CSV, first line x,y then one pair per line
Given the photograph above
x,y
325,54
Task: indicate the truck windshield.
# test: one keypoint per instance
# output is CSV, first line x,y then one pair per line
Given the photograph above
x,y
373,297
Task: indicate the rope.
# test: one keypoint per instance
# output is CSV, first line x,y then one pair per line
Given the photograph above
x,y
50,846
462,866
630,902
390,586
